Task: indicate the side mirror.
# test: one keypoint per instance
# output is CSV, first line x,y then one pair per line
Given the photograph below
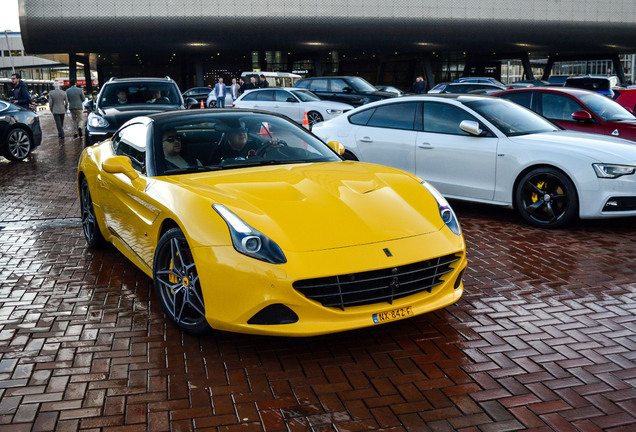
x,y
347,90
290,99
337,147
89,105
192,103
471,127
120,165
582,116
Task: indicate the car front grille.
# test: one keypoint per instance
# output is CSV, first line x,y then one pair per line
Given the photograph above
x,y
376,286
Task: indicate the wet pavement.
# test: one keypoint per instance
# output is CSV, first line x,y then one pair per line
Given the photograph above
x,y
543,339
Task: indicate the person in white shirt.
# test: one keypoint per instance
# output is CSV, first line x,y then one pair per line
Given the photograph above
x,y
235,89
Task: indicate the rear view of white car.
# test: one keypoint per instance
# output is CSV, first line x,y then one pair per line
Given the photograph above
x,y
293,103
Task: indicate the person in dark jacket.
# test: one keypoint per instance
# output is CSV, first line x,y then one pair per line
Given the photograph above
x,y
263,83
21,94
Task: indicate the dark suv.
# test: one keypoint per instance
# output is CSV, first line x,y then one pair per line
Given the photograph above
x,y
121,99
351,90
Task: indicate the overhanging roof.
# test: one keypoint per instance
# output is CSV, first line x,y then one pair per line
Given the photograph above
x,y
198,26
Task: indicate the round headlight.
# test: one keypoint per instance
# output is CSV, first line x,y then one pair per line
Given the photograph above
x,y
252,244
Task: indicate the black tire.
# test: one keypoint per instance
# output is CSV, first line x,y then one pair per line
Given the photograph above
x,y
314,117
18,144
176,283
546,198
92,234
349,156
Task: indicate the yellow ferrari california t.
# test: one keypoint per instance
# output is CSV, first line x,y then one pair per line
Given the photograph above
x,y
247,222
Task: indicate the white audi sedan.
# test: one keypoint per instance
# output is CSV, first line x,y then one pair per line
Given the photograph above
x,y
293,103
490,150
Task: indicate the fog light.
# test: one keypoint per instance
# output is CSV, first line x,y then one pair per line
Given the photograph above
x,y
458,281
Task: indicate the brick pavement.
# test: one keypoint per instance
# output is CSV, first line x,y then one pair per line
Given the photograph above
x,y
543,339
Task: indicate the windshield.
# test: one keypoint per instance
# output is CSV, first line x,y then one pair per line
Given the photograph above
x,y
510,118
606,108
117,94
305,95
218,141
360,85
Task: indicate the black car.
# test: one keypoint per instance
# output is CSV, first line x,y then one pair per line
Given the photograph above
x,y
119,100
199,94
351,90
20,131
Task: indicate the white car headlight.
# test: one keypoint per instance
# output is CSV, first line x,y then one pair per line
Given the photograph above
x,y
97,121
249,241
334,111
445,210
612,171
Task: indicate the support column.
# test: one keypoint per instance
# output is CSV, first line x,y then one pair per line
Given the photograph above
x,y
87,75
547,71
72,66
428,71
620,71
527,68
198,66
317,65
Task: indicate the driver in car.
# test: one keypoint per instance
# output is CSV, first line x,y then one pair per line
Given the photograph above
x,y
236,146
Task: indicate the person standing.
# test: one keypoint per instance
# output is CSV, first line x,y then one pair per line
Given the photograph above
x,y
252,85
264,83
58,104
219,93
234,89
244,86
419,86
75,96
21,95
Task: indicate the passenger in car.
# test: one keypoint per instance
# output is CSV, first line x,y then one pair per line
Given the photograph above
x,y
158,98
171,142
122,96
235,146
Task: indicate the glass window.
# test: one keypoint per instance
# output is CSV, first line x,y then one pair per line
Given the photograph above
x,y
445,118
319,85
338,85
250,96
606,108
131,142
362,117
265,96
305,95
394,116
282,96
522,98
510,118
360,85
302,84
559,107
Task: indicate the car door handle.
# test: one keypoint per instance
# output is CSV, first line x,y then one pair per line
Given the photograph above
x,y
426,146
365,139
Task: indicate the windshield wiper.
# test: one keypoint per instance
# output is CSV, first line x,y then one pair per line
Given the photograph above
x,y
198,168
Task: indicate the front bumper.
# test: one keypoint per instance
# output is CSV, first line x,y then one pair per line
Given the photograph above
x,y
236,288
613,198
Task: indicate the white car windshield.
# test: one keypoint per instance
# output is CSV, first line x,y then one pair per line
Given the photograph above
x,y
606,108
305,95
510,118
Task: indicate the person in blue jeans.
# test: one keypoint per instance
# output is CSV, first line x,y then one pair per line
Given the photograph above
x,y
219,92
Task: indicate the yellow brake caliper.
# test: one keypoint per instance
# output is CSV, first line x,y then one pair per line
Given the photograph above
x,y
535,197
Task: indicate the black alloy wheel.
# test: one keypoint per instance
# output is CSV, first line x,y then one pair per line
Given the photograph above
x,y
92,234
546,198
313,117
18,144
176,283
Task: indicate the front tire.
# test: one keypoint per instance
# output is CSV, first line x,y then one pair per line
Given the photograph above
x,y
177,285
92,234
546,198
313,117
18,145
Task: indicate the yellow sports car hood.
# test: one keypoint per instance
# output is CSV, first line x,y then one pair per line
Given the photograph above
x,y
308,207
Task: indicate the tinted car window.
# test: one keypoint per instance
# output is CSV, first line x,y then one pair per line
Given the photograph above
x,y
131,142
140,93
362,117
444,118
558,107
338,85
522,98
594,84
319,85
282,96
394,116
302,84
265,96
250,96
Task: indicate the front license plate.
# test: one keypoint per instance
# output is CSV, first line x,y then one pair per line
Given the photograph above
x,y
392,315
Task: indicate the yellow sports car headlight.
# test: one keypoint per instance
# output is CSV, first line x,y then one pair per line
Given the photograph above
x,y
445,210
248,240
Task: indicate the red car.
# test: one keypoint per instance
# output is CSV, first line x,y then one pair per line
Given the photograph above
x,y
577,109
627,98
